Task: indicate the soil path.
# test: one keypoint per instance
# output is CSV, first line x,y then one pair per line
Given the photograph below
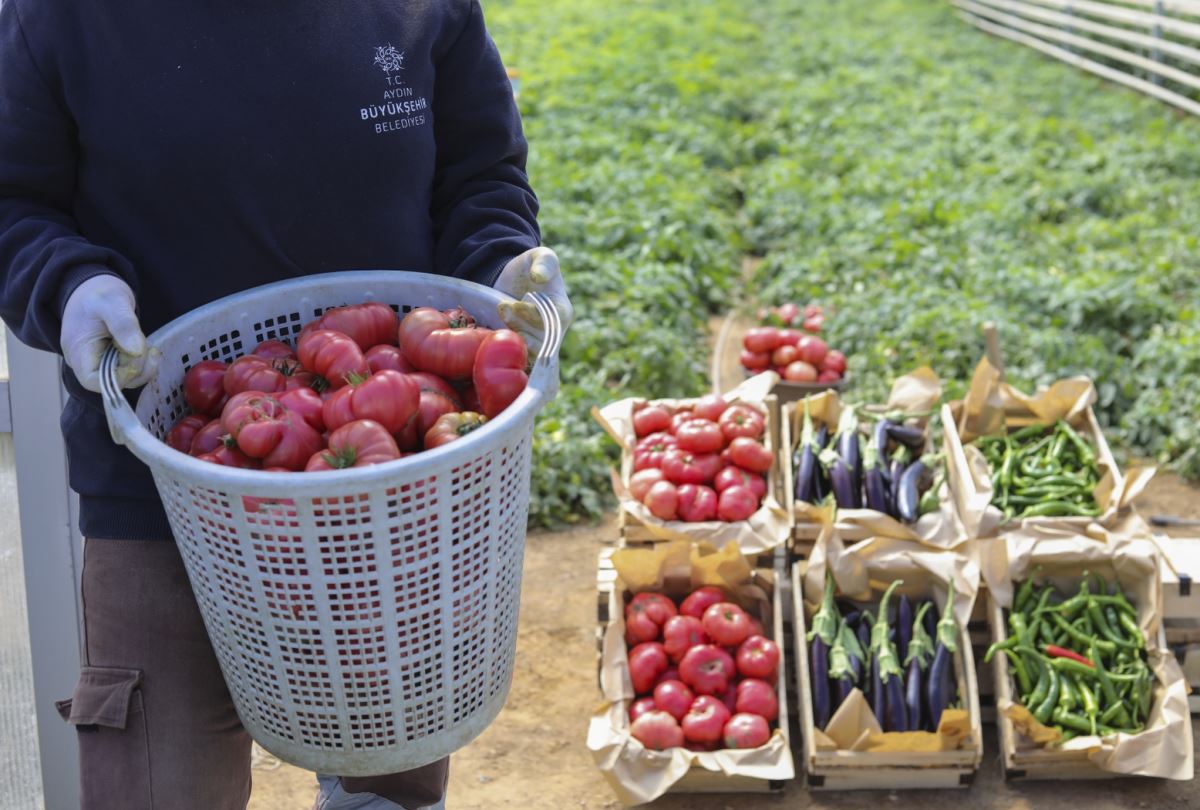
x,y
534,756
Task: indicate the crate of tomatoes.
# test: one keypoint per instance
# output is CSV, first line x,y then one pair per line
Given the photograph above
x,y
704,469
308,435
692,673
788,341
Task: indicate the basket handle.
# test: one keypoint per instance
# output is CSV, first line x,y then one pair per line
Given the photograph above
x,y
544,376
121,418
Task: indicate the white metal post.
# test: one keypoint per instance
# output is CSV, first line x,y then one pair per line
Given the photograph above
x,y
53,552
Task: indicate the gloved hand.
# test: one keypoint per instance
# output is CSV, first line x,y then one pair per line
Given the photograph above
x,y
534,270
102,310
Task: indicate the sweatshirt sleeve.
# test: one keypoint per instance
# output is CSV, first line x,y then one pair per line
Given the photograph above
x,y
484,212
43,258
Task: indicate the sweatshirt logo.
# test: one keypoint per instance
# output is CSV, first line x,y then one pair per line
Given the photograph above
x,y
389,59
401,107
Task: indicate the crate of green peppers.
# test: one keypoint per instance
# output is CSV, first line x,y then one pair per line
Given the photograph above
x,y
1084,683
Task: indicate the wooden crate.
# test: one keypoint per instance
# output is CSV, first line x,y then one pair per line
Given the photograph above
x,y
962,485
1180,568
856,770
633,529
768,567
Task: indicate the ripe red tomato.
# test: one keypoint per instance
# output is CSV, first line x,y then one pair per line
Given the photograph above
x,y
755,361
646,662
680,634
705,720
433,406
640,707
742,420
499,371
755,696
443,343
812,350
789,312
784,355
388,397
736,503
230,457
814,324
641,481
708,669
662,499
790,337
296,376
674,698
828,376
651,450
368,325
305,403
651,419
251,373
681,467
679,417
700,436
334,356
266,430
453,426
757,658
746,731
670,674
697,503
274,350
657,730
762,339
834,361
735,476
710,407
358,444
204,387
645,616
180,436
750,455
813,310
208,438
384,357
800,371
726,624
700,600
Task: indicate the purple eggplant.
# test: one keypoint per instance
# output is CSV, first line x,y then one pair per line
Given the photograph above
x,y
928,621
841,479
916,662
845,662
876,697
822,437
904,626
895,716
848,448
912,696
880,436
823,635
806,465
908,496
938,682
911,437
887,667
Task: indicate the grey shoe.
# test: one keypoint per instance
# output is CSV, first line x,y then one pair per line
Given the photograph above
x,y
334,797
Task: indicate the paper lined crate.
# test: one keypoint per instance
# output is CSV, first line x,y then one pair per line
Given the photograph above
x,y
1164,748
767,528
768,775
895,770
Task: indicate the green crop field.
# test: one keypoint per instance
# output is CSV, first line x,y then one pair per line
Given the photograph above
x,y
884,158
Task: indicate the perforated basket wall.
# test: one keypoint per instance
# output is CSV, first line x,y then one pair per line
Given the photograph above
x,y
367,623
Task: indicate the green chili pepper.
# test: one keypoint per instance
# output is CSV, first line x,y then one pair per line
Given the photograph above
x,y
1097,616
1043,678
1086,454
1074,721
1068,696
1072,666
1042,712
1027,432
1024,594
1106,684
1059,509
1081,638
1131,627
1110,714
1022,673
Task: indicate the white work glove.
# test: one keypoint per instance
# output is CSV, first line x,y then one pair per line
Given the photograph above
x,y
100,311
534,270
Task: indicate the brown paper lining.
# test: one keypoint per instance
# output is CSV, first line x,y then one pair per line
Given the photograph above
x,y
861,572
918,391
767,528
992,406
638,775
1164,749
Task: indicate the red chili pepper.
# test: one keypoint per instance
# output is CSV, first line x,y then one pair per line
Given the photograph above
x,y
1060,652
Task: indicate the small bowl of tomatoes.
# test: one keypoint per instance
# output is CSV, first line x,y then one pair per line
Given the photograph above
x,y
788,342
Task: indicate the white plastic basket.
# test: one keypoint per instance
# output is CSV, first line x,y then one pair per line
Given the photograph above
x,y
365,619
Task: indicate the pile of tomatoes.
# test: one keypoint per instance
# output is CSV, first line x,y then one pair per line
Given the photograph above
x,y
703,673
360,387
788,344
707,462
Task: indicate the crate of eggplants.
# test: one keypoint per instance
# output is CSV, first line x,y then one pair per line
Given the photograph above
x,y
888,473
901,658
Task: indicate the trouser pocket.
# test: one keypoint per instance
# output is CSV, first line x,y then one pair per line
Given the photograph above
x,y
114,753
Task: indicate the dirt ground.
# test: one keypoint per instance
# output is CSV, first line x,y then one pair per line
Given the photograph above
x,y
534,756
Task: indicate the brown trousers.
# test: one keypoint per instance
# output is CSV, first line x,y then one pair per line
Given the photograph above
x,y
157,728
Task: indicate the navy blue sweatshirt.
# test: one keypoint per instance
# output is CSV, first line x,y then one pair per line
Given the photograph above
x,y
199,148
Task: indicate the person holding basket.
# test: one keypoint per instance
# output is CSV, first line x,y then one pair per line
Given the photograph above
x,y
155,157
